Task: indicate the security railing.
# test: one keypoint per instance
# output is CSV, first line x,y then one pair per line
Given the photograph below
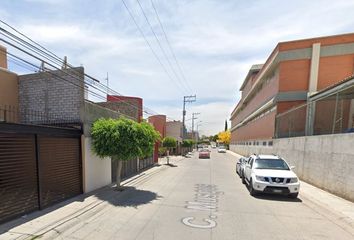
x,y
11,114
330,114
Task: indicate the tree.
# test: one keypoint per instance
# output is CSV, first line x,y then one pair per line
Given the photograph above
x,y
169,142
225,137
122,140
226,125
147,136
188,143
162,151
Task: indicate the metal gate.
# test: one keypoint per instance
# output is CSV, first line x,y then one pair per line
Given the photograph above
x,y
18,175
59,169
38,168
131,167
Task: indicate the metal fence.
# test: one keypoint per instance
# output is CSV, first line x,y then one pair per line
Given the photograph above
x,y
330,114
11,114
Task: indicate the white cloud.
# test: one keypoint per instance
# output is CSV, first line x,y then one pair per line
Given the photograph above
x,y
215,42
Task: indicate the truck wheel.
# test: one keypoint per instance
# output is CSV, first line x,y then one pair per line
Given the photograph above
x,y
251,189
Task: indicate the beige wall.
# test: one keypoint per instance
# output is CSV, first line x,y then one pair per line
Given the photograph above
x,y
8,88
325,161
174,129
3,57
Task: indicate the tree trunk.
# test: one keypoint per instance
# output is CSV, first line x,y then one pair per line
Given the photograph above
x,y
168,156
118,172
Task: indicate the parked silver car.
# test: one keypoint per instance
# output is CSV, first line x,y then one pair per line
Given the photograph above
x,y
240,166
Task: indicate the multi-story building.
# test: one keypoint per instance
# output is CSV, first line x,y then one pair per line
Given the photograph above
x,y
293,72
159,123
174,129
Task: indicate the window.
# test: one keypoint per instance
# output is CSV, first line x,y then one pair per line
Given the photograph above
x,y
275,164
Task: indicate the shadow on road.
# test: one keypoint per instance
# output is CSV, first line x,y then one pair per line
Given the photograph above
x,y
274,197
130,197
171,165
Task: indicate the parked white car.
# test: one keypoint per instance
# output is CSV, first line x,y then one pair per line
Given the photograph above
x,y
221,149
270,174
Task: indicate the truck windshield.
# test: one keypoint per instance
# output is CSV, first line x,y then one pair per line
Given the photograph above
x,y
276,164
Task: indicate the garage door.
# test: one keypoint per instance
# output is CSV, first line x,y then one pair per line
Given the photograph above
x,y
18,175
59,169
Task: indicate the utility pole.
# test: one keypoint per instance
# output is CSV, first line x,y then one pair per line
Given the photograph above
x,y
65,63
186,99
107,79
197,135
193,118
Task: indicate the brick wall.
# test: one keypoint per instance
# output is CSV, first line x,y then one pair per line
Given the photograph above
x,y
128,108
262,128
52,96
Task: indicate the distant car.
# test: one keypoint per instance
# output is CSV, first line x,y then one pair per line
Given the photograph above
x,y
240,166
221,149
189,155
204,153
270,174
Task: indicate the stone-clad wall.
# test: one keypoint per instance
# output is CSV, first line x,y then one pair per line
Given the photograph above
x,y
52,96
326,161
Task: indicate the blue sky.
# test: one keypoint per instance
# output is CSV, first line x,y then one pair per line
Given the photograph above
x,y
215,42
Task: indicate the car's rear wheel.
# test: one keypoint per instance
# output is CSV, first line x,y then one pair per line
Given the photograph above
x,y
251,189
294,195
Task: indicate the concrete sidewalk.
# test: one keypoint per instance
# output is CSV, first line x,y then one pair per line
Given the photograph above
x,y
48,220
339,207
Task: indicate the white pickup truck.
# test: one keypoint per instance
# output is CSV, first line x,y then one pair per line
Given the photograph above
x,y
270,174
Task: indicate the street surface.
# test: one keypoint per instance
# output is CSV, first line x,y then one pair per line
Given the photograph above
x,y
199,199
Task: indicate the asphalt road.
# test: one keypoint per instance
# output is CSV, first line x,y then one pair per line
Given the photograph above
x,y
201,199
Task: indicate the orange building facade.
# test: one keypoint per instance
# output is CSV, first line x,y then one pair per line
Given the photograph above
x,y
293,72
159,123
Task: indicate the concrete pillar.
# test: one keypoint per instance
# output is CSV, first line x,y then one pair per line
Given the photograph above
x,y
310,118
315,62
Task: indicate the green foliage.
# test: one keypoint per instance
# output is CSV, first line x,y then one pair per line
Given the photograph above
x,y
203,141
147,137
162,150
169,142
122,139
188,143
105,135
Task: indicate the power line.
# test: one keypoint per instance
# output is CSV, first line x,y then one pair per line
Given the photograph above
x,y
160,45
50,71
149,45
13,58
24,43
169,45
